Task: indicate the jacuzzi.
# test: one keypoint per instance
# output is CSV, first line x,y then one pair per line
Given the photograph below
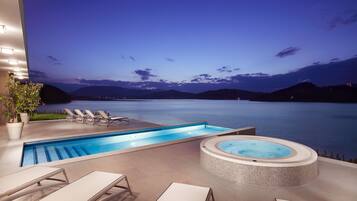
x,y
259,160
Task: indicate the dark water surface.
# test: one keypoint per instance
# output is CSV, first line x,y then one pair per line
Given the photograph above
x,y
323,126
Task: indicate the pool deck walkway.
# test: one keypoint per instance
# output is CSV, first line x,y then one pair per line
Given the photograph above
x,y
150,171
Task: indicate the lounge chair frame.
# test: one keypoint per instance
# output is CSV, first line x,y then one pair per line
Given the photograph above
x,y
109,120
22,190
209,197
70,115
91,118
105,191
111,195
80,116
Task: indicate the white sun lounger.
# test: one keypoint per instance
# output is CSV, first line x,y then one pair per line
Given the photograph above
x,y
90,187
70,115
91,118
80,116
277,199
16,185
109,119
180,192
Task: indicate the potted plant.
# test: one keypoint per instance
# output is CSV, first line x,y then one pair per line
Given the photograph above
x,y
11,109
28,100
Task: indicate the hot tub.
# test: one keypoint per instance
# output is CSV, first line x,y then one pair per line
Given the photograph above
x,y
259,160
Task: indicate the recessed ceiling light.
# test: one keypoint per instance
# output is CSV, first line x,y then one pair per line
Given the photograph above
x,y
7,50
17,69
2,29
13,62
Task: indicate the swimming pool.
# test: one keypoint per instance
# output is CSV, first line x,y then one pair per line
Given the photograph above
x,y
61,149
255,149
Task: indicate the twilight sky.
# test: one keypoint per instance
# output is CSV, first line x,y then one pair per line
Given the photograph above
x,y
176,40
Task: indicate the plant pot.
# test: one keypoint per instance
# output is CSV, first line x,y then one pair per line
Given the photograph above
x,y
24,118
14,130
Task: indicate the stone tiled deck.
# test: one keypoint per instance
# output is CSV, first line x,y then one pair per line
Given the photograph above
x,y
150,171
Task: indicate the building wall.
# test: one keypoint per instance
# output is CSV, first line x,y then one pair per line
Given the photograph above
x,y
3,90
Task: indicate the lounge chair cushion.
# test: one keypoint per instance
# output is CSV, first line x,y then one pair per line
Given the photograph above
x,y
89,187
118,118
180,192
20,180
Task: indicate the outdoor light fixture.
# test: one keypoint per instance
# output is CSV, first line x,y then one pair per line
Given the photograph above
x,y
13,62
2,29
6,50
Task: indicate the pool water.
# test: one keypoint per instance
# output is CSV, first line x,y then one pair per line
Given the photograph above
x,y
255,149
48,151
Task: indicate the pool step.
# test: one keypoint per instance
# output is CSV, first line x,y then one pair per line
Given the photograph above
x,y
43,154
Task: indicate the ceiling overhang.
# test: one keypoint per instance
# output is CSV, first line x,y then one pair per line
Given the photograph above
x,y
13,54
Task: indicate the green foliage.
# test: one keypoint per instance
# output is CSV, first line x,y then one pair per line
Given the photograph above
x,y
47,116
28,97
20,98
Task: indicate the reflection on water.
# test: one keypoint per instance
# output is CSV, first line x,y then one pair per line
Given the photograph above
x,y
324,126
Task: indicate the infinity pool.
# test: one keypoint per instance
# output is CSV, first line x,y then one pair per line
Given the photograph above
x,y
60,149
255,149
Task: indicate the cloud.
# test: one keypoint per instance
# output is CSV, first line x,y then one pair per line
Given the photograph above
x,y
347,19
316,63
54,60
132,58
287,52
227,69
334,59
144,74
202,78
207,78
169,59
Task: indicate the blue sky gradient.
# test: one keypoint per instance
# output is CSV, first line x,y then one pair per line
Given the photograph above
x,y
176,40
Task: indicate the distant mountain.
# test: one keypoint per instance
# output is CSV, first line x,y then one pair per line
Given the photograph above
x,y
308,92
53,95
110,92
302,92
334,73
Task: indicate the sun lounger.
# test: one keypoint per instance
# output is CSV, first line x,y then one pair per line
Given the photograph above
x,y
70,115
80,116
91,118
277,199
16,185
179,192
90,187
107,119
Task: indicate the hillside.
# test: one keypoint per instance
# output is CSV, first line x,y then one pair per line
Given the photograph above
x,y
302,92
308,92
53,95
110,92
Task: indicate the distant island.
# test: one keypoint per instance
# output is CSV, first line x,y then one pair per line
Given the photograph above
x,y
302,92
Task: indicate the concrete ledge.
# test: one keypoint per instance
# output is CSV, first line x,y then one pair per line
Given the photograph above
x,y
337,162
242,131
